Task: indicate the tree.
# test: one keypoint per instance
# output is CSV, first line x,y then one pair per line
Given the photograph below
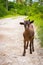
x,y
30,2
7,4
19,1
4,3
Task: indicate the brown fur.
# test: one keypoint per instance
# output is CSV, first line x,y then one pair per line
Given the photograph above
x,y
28,37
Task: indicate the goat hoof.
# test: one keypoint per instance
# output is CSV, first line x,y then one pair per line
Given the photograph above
x,y
30,52
33,50
26,47
23,54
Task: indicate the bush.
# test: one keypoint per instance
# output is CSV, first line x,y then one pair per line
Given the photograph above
x,y
18,8
10,5
3,11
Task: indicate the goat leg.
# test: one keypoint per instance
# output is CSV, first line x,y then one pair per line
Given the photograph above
x,y
30,48
27,45
24,48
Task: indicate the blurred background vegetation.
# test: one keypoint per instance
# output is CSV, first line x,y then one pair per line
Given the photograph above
x,y
31,8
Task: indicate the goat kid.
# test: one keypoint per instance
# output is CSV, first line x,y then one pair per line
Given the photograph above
x,y
28,35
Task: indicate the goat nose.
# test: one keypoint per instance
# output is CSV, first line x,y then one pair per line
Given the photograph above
x,y
26,26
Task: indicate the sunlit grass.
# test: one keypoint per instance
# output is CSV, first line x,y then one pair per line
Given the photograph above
x,y
39,24
8,16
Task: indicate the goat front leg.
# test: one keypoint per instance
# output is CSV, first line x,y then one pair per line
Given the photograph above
x,y
27,45
24,48
30,47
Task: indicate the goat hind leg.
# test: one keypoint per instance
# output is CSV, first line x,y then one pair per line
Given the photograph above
x,y
24,48
32,46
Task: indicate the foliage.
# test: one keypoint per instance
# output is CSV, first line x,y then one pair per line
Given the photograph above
x,y
3,11
10,5
18,8
36,14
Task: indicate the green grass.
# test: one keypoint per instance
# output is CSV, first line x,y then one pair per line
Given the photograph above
x,y
8,16
39,24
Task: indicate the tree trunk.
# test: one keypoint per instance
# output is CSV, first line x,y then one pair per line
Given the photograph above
x,y
7,4
19,1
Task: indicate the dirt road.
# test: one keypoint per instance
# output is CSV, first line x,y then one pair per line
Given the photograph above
x,y
11,44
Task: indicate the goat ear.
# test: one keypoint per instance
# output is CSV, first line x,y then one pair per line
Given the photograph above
x,y
29,20
32,21
21,23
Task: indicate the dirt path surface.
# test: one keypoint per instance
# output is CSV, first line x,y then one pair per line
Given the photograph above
x,y
11,44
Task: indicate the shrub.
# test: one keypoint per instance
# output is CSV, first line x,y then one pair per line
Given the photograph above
x,y
3,11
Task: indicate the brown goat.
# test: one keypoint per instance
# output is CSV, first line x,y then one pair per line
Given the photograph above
x,y
28,35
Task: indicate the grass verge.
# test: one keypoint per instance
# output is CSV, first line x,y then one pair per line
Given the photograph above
x,y
39,24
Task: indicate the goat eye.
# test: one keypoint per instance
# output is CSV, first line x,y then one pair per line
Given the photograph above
x,y
28,25
25,26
